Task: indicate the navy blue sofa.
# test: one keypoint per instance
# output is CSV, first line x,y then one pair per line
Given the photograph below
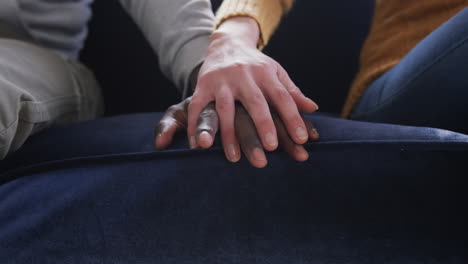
x,y
98,192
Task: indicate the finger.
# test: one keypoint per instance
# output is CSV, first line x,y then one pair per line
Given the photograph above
x,y
313,133
248,138
226,112
207,126
196,106
303,103
296,151
164,137
169,125
257,107
282,101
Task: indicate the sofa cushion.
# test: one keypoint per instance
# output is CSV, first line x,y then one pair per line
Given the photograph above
x,y
97,192
133,134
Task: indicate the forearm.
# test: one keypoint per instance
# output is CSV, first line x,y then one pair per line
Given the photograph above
x,y
177,30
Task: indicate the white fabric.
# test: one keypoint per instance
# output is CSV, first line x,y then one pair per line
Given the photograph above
x,y
178,30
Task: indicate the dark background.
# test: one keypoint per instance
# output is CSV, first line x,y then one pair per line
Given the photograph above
x,y
318,43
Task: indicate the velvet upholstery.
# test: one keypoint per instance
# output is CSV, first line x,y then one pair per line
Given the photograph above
x,y
98,192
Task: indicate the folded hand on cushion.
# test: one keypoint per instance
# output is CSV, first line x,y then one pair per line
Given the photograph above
x,y
176,117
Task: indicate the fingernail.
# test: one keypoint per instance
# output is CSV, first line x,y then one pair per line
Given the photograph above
x,y
271,140
192,142
258,154
206,137
301,133
232,153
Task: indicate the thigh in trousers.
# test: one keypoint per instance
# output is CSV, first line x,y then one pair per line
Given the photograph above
x,y
40,88
429,87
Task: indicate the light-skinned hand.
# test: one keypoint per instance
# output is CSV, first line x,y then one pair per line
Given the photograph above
x,y
235,70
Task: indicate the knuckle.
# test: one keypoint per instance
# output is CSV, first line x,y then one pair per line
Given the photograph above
x,y
223,104
222,108
235,67
265,72
238,66
282,75
158,129
172,108
255,99
209,73
263,65
164,124
205,79
293,89
202,82
269,68
195,105
284,78
282,95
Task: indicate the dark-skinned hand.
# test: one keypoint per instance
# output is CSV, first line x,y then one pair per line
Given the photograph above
x,y
175,120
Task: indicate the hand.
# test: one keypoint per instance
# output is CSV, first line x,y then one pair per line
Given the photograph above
x,y
235,69
251,145
175,119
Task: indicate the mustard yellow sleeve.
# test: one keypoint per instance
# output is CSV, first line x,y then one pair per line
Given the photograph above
x,y
267,13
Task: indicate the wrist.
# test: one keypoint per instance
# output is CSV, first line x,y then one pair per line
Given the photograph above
x,y
241,29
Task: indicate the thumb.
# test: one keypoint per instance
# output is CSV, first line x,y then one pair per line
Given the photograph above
x,y
207,126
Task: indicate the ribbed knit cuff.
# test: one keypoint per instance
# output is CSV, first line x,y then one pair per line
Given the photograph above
x,y
267,13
